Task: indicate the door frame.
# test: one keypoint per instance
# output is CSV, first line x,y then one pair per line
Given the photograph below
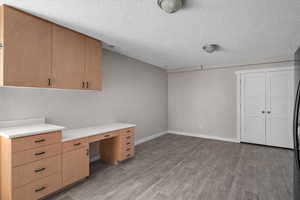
x,y
239,92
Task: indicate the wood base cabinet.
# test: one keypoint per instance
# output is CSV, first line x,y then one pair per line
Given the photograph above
x,y
126,142
37,53
76,165
34,167
30,167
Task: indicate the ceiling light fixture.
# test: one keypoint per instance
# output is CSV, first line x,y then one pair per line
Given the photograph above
x,y
170,6
210,48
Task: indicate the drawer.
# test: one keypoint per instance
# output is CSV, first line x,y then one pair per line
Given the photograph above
x,y
31,142
110,134
127,138
127,147
127,144
25,174
128,154
38,189
75,144
31,155
103,136
127,131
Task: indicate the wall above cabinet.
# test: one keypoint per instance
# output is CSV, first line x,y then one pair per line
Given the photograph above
x,y
38,53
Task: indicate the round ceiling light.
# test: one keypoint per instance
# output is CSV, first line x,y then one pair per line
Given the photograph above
x,y
210,48
170,6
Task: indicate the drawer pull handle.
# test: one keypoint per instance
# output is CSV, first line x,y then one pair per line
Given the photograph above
x,y
106,135
40,153
39,170
128,143
41,140
40,189
128,149
128,137
128,131
77,144
128,155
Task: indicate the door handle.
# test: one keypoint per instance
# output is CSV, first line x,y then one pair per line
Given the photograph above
x,y
40,189
39,141
40,153
77,144
39,170
263,112
269,112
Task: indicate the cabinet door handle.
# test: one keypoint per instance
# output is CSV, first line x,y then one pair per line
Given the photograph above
x,y
39,170
49,81
39,141
40,189
77,144
83,84
263,112
39,153
269,112
87,84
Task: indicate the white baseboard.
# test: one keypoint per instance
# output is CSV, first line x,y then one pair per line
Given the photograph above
x,y
150,137
204,136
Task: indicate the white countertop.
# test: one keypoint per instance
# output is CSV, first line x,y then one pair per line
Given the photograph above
x,y
28,130
29,127
73,134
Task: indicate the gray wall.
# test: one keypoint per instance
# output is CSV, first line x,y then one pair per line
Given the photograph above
x,y
132,92
205,102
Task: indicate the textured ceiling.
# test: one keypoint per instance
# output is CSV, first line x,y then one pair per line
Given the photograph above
x,y
249,31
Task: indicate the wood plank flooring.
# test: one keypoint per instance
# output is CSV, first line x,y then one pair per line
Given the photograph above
x,y
175,167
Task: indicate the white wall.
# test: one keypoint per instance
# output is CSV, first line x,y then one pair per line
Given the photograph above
x,y
132,92
204,102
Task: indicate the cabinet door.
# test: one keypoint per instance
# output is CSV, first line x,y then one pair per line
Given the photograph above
x,y
27,49
93,64
68,58
280,109
253,95
75,165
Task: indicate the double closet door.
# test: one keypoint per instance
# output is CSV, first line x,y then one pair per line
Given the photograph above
x,y
267,108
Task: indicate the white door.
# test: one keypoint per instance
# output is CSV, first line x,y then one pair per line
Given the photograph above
x,y
279,109
253,94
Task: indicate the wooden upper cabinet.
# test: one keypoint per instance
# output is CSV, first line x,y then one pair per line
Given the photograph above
x,y
26,56
68,59
38,53
93,64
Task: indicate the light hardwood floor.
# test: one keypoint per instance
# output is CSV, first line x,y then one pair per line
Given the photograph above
x,y
175,167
